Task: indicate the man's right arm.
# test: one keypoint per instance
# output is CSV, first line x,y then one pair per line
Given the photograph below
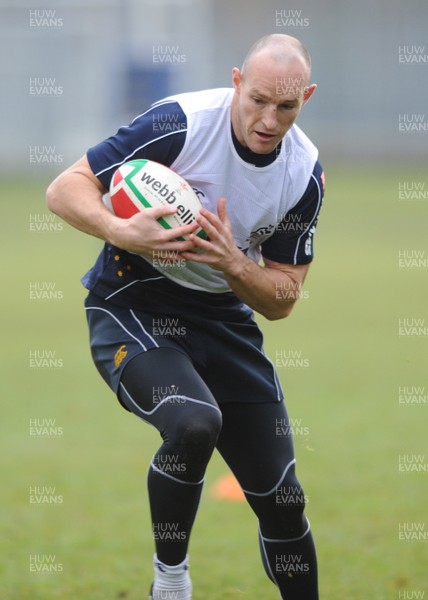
x,y
76,196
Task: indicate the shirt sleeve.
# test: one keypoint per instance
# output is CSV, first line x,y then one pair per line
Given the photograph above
x,y
158,134
292,241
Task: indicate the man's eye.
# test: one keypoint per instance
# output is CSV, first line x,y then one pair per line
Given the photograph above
x,y
258,100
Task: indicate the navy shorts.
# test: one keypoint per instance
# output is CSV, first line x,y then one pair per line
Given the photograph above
x,y
228,355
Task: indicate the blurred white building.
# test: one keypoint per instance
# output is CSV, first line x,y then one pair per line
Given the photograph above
x,y
73,72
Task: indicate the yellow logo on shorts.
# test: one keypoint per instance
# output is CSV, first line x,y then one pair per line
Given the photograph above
x,y
120,355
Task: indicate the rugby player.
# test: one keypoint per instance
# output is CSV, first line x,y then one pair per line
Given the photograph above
x,y
171,323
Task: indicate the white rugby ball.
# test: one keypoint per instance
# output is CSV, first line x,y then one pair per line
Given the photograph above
x,y
140,184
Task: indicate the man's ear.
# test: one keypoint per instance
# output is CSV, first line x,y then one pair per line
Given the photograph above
x,y
236,78
308,91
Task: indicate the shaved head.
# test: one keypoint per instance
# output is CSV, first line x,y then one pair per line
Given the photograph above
x,y
270,89
282,49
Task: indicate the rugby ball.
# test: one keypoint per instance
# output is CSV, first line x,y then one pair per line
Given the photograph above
x,y
140,184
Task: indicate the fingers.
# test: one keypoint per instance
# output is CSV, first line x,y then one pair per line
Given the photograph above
x,y
197,257
176,246
211,224
179,232
216,221
144,234
159,211
222,212
165,234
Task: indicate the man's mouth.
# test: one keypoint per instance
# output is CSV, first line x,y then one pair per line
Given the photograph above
x,y
266,137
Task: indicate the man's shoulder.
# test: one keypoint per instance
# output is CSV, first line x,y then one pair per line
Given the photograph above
x,y
201,99
298,147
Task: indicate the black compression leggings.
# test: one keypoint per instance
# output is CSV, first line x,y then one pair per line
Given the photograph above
x,y
163,388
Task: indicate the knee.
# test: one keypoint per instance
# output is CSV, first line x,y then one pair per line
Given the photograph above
x,y
196,433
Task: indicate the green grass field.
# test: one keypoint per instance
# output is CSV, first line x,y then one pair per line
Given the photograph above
x,y
346,398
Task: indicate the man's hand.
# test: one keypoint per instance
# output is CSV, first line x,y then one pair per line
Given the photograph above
x,y
142,234
255,285
220,250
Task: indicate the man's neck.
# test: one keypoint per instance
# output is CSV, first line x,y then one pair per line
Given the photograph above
x,y
258,160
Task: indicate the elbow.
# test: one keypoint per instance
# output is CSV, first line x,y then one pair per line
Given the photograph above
x,y
52,201
279,312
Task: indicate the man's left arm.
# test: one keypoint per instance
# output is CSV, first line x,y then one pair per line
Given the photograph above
x,y
272,289
255,285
